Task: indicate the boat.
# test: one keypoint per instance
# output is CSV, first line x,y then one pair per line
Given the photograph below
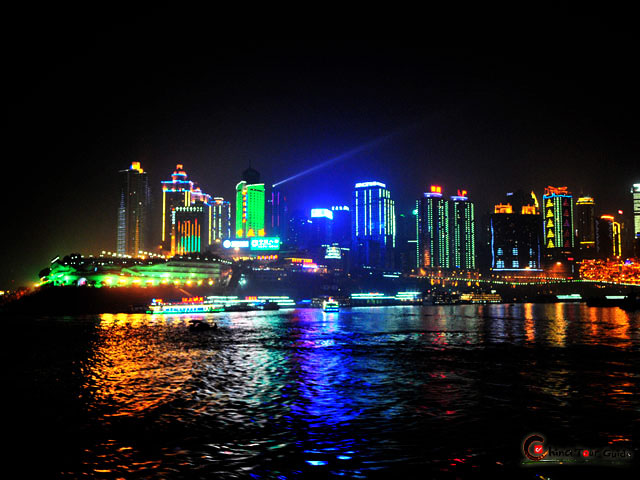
x,y
268,305
330,306
191,305
201,326
239,307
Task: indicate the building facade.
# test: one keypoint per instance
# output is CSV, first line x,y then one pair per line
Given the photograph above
x,y
373,226
432,230
635,192
608,237
250,205
516,234
586,227
558,220
463,233
191,229
176,192
133,211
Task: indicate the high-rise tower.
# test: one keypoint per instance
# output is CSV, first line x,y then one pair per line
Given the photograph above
x,y
463,233
558,219
432,229
373,226
586,226
176,192
133,211
250,203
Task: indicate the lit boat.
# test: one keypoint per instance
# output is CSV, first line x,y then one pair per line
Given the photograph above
x,y
192,305
330,306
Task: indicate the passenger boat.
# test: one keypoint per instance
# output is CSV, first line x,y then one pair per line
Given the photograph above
x,y
330,306
191,305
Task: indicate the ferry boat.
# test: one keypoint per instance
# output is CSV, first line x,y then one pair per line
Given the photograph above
x,y
330,306
190,305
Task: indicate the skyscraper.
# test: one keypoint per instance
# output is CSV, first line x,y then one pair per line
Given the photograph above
x,y
373,226
341,232
432,229
586,226
558,219
133,211
608,237
175,192
220,220
250,203
278,213
635,191
463,233
515,230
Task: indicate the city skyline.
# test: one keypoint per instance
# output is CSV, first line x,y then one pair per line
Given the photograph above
x,y
484,121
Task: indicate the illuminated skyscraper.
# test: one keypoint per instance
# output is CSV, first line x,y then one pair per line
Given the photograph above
x,y
635,191
558,219
190,229
250,198
463,232
432,230
373,226
515,228
133,211
586,226
278,213
220,220
176,192
608,237
341,232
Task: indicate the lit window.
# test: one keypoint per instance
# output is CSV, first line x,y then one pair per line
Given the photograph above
x,y
500,252
515,251
516,264
500,264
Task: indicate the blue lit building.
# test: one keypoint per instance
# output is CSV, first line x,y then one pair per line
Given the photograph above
x,y
373,226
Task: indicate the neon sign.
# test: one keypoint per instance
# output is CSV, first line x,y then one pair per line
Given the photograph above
x,y
265,243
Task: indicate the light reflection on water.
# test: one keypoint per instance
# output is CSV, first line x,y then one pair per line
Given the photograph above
x,y
356,393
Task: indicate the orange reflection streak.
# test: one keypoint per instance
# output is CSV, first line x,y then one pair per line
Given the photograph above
x,y
558,327
617,323
529,325
131,372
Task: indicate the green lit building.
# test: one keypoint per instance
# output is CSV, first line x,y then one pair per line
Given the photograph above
x,y
432,230
559,234
463,234
250,205
108,271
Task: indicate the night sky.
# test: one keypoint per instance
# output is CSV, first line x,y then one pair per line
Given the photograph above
x,y
85,99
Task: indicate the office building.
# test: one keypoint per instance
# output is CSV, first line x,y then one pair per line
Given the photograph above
x,y
559,236
220,220
176,192
278,214
133,211
635,192
608,237
250,205
463,232
516,234
373,226
190,229
432,230
586,227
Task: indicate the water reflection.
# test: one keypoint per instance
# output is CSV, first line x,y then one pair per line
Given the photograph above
x,y
353,393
